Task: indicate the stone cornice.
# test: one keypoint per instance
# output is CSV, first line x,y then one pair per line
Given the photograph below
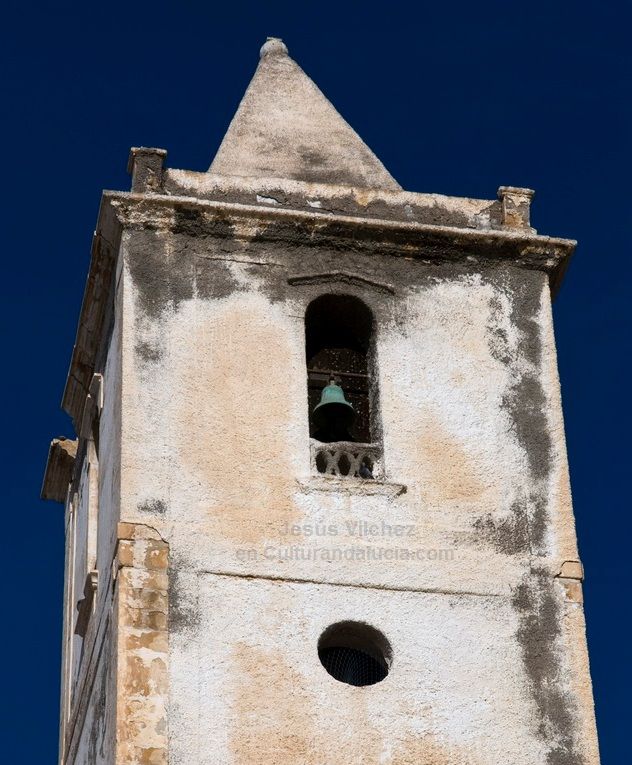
x,y
422,242
93,313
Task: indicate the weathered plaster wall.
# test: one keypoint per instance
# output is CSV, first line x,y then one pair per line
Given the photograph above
x,y
89,668
456,692
81,510
215,457
91,740
88,723
110,433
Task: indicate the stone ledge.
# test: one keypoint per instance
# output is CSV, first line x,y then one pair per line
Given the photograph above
x,y
355,486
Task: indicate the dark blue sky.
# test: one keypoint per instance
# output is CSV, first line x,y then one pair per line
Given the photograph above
x,y
456,98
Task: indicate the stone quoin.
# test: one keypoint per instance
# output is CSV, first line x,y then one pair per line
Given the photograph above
x,y
438,618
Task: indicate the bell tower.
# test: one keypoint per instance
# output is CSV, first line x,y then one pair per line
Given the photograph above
x,y
318,507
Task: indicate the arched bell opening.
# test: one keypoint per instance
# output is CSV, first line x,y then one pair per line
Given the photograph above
x,y
341,384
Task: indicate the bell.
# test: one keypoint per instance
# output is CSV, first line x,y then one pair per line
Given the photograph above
x,y
333,409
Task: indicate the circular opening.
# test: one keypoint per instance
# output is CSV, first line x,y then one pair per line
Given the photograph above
x,y
355,653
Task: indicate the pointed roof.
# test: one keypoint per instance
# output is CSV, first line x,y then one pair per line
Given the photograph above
x,y
286,128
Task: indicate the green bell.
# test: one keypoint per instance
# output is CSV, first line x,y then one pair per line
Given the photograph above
x,y
333,408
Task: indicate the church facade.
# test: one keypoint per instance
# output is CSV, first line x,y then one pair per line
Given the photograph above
x,y
318,507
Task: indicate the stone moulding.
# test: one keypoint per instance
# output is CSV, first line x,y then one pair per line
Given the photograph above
x,y
431,243
340,276
424,243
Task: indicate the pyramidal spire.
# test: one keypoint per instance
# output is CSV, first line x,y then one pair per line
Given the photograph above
x,y
286,128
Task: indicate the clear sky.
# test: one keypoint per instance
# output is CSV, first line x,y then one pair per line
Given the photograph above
x,y
456,98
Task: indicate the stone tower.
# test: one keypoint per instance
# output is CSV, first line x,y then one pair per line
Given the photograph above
x,y
242,586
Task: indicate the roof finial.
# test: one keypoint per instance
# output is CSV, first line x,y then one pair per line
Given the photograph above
x,y
273,46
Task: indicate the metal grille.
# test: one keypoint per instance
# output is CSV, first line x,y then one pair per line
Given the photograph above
x,y
352,666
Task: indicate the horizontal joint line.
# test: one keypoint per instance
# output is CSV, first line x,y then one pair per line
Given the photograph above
x,y
389,588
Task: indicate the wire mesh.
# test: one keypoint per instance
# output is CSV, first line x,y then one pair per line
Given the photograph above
x,y
352,666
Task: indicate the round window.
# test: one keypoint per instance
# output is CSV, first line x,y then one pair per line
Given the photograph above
x,y
355,653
